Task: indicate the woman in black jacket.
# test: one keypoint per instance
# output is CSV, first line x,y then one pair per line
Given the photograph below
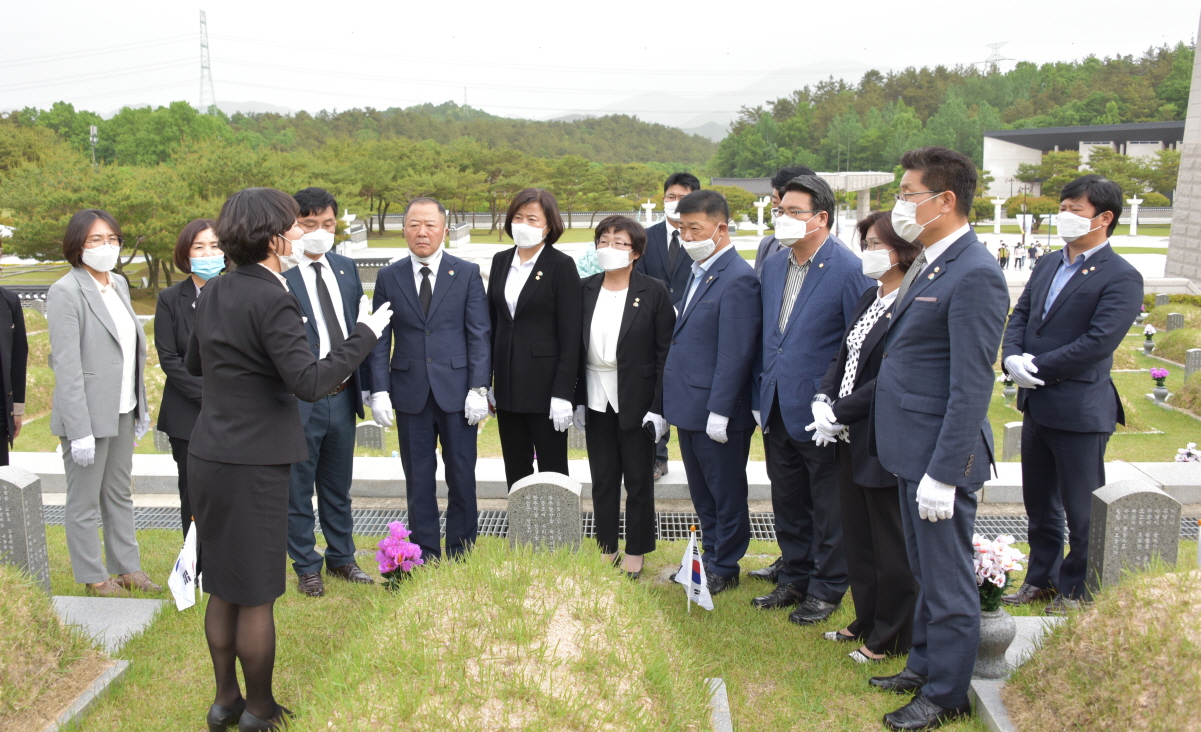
x,y
197,253
627,324
534,305
882,583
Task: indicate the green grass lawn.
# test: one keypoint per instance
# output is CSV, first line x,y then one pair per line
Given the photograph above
x,y
395,238
1041,234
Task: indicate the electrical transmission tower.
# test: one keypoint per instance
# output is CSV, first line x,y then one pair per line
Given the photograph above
x,y
208,100
995,59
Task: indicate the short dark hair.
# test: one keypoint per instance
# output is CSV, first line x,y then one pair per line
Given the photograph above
x,y
1101,192
783,175
945,170
688,180
427,199
315,200
614,224
882,220
77,232
250,218
820,195
550,208
183,245
710,203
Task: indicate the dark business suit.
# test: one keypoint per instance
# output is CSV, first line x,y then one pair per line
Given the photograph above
x,y
930,416
173,320
329,433
804,476
882,584
14,360
436,359
534,359
1068,421
710,369
618,447
767,247
250,347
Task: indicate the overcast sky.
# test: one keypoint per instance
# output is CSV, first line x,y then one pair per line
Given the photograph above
x,y
682,63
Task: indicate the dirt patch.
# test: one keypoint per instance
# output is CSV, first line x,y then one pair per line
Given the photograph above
x,y
57,697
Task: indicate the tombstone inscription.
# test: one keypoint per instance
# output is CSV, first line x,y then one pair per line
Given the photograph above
x,y
544,510
1011,444
1175,321
1161,300
1132,522
22,531
369,435
1192,362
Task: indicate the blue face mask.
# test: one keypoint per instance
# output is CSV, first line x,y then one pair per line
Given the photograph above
x,y
206,268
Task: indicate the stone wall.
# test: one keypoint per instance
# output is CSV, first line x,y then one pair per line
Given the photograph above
x,y
1184,249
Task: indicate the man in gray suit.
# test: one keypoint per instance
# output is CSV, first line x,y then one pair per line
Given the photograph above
x,y
770,244
931,424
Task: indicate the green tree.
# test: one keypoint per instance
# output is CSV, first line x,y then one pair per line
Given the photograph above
x,y
1055,171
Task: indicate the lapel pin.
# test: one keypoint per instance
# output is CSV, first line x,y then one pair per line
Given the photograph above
x,y
450,272
636,300
930,276
888,315
821,264
1084,271
538,276
341,272
710,279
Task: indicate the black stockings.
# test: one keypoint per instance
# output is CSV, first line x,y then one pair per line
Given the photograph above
x,y
247,634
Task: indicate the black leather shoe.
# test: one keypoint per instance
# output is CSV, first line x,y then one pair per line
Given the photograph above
x,y
921,713
780,596
812,610
219,717
351,573
660,470
250,723
771,572
1027,594
633,576
310,584
903,683
718,584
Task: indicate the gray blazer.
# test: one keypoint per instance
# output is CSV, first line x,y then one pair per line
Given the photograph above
x,y
86,357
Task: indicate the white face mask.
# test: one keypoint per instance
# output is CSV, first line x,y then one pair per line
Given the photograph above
x,y
904,219
876,263
669,207
1071,226
318,241
102,258
610,259
702,250
287,262
789,230
526,236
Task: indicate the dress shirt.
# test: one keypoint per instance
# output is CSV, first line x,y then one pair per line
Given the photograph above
x,y
434,263
698,270
792,287
602,349
935,250
309,275
1065,272
127,335
278,276
858,334
518,274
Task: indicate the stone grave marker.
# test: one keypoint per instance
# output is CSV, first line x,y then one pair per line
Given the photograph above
x,y
22,531
1175,321
544,510
162,441
1192,362
1161,300
1132,522
369,435
576,439
1011,445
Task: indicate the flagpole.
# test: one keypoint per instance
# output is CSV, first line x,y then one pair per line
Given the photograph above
x,y
691,554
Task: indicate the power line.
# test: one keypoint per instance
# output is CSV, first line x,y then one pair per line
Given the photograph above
x,y
30,60
995,58
95,76
208,98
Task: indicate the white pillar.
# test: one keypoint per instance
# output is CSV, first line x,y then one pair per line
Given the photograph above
x,y
1134,202
648,207
760,204
864,200
996,216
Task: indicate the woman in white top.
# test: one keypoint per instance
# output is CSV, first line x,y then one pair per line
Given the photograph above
x,y
98,351
627,324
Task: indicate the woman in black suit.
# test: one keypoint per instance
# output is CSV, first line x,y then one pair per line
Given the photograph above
x,y
882,583
249,346
627,324
534,304
197,253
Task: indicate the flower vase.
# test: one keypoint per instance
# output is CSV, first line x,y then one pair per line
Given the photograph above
x,y
1160,393
1140,319
997,631
1148,346
1010,390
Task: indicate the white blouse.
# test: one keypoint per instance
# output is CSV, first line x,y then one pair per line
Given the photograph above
x,y
602,349
127,336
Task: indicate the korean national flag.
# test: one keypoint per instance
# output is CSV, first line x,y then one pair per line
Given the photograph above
x,y
692,575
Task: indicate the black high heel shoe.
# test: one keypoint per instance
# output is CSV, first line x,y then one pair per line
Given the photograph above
x,y
220,718
251,723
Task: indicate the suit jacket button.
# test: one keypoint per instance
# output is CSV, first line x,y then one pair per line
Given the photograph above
x,y
429,360
673,343
427,332
885,355
779,350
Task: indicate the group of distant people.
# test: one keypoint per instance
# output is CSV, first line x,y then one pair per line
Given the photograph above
x,y
1019,253
869,376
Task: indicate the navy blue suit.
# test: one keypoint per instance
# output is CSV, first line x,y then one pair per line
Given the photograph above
x,y
329,432
710,368
768,246
930,416
804,477
656,261
428,362
1068,421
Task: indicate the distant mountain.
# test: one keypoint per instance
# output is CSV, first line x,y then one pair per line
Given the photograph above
x,y
711,130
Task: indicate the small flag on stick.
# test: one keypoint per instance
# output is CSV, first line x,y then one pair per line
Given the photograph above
x,y
692,575
183,580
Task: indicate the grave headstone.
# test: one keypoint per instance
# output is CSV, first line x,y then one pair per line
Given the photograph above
x,y
1175,321
22,530
544,510
1192,362
1161,300
576,439
1011,445
162,441
369,435
1131,523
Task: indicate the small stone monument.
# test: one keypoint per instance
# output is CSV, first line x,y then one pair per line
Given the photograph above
x,y
369,435
1175,321
1011,445
22,531
1161,300
162,441
544,510
1131,523
1192,362
576,439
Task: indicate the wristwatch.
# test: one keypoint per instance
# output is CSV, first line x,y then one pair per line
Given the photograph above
x,y
480,391
823,398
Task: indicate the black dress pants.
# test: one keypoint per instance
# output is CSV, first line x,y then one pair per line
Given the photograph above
x,y
614,454
4,442
524,436
882,583
179,451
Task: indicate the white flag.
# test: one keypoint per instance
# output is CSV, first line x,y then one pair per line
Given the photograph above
x,y
182,581
692,576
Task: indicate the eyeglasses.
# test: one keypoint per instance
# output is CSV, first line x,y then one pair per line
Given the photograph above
x,y
874,244
792,213
623,246
905,196
96,241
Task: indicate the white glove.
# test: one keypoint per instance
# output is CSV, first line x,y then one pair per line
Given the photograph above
x,y
757,416
560,413
381,408
475,408
824,419
366,398
658,423
579,420
83,451
142,427
935,500
716,427
1022,369
376,321
492,400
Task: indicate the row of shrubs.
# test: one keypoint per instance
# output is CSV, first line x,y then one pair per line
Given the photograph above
x,y
1149,300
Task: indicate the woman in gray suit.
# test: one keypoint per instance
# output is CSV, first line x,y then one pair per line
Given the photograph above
x,y
98,351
